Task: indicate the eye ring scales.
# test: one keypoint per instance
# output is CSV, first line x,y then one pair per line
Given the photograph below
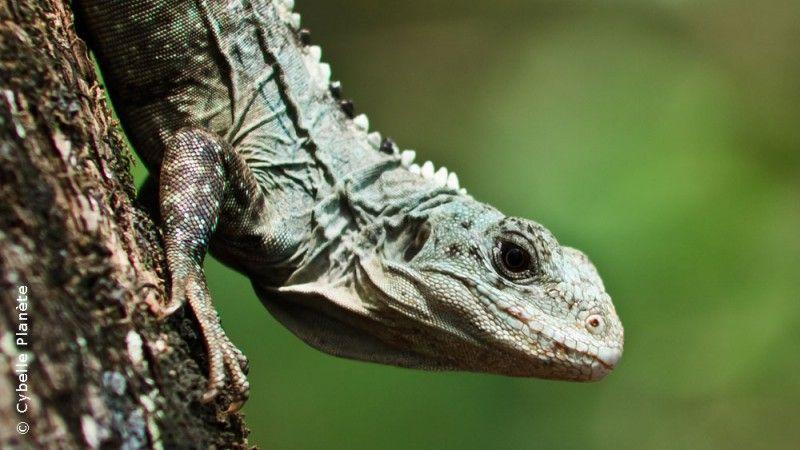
x,y
513,261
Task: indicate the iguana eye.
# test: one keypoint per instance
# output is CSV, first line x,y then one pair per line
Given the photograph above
x,y
513,261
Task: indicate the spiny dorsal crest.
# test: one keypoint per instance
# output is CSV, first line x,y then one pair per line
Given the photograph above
x,y
321,72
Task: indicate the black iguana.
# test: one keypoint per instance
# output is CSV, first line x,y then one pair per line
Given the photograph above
x,y
353,247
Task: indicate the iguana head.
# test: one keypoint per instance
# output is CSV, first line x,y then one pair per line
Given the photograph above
x,y
468,288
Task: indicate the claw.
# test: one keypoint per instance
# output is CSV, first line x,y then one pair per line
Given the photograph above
x,y
244,364
240,396
209,396
160,309
164,311
234,406
227,365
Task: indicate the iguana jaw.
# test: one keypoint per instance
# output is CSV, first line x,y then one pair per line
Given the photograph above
x,y
486,338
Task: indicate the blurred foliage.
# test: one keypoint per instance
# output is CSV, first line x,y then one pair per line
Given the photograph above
x,y
659,136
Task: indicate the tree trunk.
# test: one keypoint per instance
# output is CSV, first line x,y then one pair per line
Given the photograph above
x,y
83,363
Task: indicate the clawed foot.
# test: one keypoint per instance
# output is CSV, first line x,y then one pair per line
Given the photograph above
x,y
200,173
227,364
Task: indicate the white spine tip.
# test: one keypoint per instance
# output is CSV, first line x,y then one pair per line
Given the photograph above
x,y
295,20
325,73
415,169
374,139
315,52
440,177
407,157
289,4
462,191
452,181
427,170
361,122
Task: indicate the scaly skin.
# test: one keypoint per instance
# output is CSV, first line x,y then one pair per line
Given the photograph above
x,y
357,250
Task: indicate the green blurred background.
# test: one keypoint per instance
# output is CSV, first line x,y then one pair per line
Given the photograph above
x,y
661,137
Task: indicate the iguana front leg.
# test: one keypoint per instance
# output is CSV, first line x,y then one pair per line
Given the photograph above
x,y
205,185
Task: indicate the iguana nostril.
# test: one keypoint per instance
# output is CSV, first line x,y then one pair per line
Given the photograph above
x,y
595,323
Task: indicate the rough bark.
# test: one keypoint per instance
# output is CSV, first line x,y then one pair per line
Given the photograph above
x,y
99,370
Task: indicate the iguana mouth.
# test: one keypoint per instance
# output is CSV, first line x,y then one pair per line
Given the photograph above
x,y
523,320
608,356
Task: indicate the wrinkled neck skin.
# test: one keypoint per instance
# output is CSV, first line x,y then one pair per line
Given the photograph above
x,y
400,271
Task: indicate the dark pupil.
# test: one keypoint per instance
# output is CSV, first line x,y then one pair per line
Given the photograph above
x,y
515,258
